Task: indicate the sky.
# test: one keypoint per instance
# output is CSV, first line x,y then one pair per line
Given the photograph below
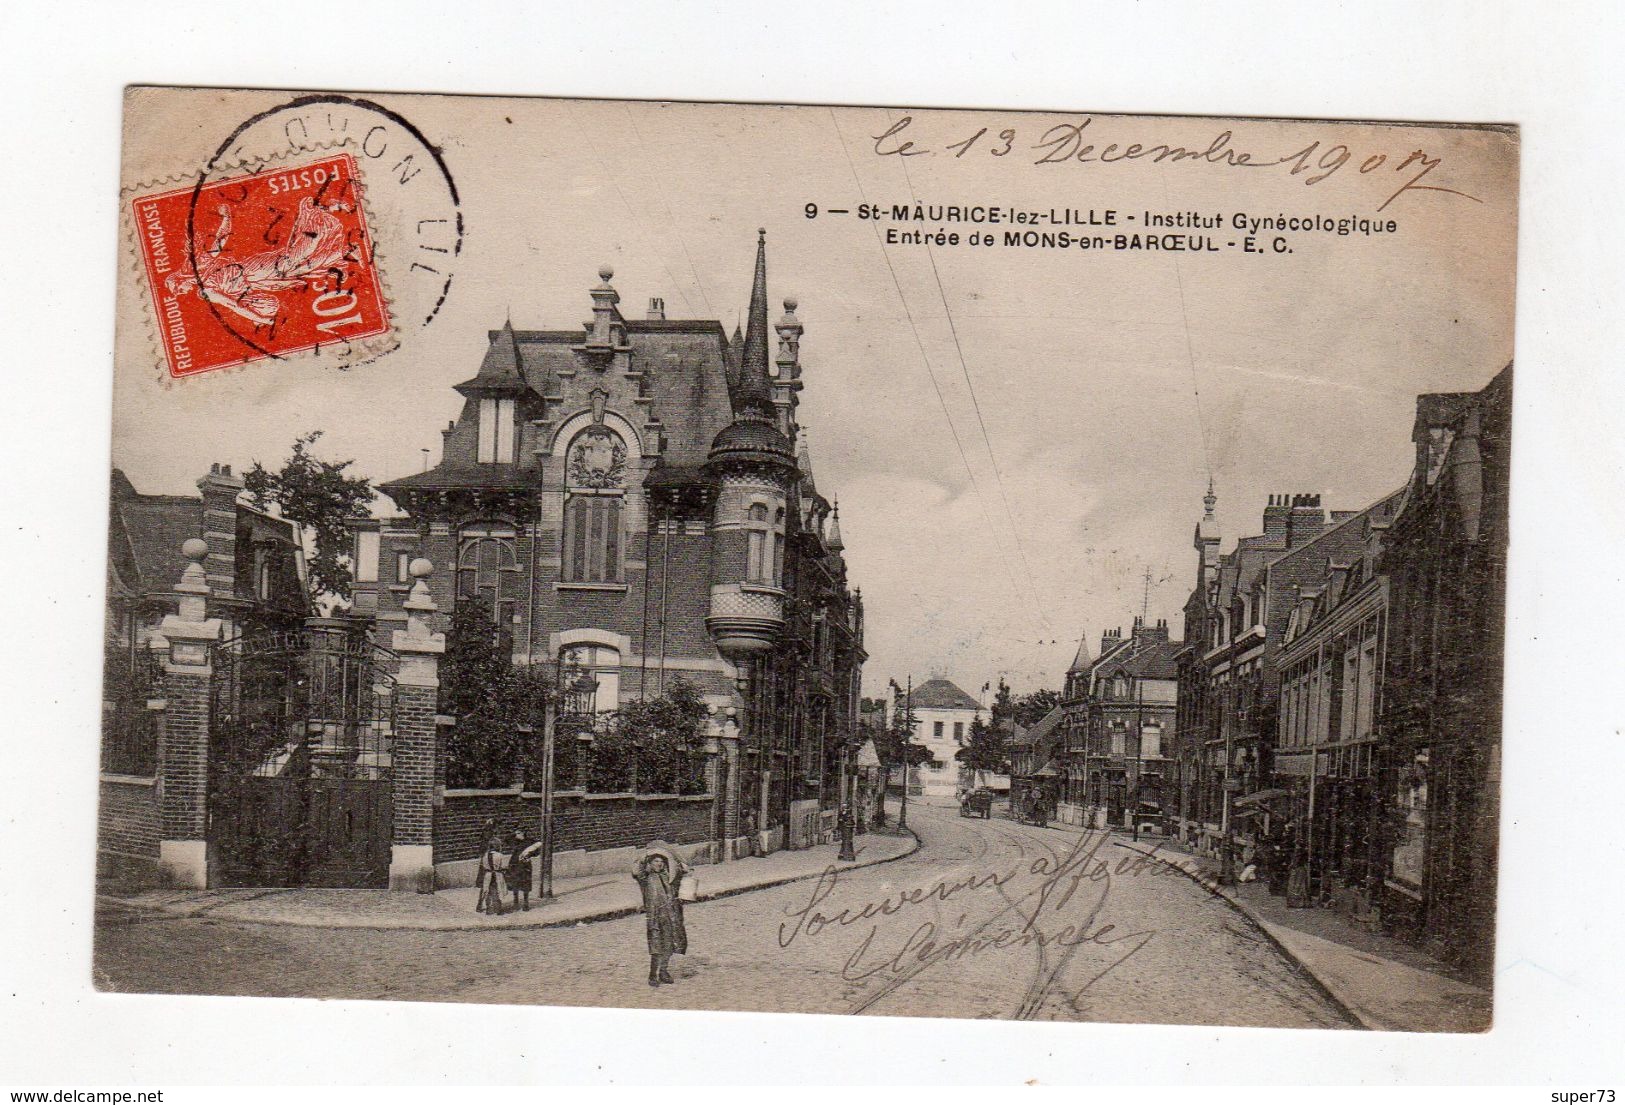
x,y
1019,438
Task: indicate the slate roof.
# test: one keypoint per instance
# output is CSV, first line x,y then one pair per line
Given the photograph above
x,y
1156,660
451,477
1081,661
145,534
940,694
1045,725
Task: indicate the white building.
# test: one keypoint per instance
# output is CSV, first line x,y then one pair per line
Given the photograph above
x,y
943,714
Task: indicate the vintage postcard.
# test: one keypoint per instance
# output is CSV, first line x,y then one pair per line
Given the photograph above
x,y
843,560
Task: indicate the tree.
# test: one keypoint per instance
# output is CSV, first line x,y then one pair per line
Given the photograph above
x,y
1024,710
500,708
666,735
984,750
321,499
1030,708
894,744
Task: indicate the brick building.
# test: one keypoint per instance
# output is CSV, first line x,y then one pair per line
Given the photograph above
x,y
1119,721
252,572
1438,772
1326,745
633,500
1229,676
1037,754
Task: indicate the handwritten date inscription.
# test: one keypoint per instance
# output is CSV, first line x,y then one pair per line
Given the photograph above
x,y
1074,143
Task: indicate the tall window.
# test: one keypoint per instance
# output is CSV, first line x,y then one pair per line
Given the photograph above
x,y
496,431
487,569
592,539
366,556
759,563
1151,742
595,473
778,547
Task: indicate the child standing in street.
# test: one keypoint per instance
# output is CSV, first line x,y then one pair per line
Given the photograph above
x,y
521,869
657,874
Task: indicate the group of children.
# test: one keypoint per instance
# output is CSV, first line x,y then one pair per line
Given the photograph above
x,y
507,864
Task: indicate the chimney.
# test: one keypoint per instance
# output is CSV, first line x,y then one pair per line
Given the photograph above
x,y
1144,631
1277,517
1306,521
219,490
1110,639
657,310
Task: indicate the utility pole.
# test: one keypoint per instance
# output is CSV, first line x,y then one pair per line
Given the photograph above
x,y
550,724
1139,746
907,743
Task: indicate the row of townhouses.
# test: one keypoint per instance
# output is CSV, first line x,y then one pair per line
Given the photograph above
x,y
630,506
1335,703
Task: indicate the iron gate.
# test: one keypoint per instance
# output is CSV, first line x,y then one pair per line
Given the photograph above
x,y
301,745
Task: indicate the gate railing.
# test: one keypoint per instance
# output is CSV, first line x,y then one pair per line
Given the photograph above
x,y
317,703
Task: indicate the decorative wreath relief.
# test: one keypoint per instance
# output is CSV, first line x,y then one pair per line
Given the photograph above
x,y
597,459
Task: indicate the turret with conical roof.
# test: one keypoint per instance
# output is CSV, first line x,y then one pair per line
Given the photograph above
x,y
1081,660
754,466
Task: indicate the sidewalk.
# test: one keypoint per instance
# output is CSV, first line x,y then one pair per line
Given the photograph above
x,y
575,901
1381,983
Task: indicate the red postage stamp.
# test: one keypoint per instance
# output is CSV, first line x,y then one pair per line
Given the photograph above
x,y
261,265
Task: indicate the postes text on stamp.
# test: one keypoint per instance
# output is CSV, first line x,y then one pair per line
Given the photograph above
x,y
260,265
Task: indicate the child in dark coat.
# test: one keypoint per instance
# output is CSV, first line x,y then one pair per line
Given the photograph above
x,y
521,869
657,876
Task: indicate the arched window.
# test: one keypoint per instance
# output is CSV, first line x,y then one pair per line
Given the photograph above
x,y
766,545
778,547
595,472
487,569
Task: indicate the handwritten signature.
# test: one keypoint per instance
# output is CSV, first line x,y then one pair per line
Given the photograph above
x,y
1055,914
1063,143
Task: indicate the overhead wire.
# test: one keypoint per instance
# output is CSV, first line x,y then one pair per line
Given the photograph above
x,y
925,358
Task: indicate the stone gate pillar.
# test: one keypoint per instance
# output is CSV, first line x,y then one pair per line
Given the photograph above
x,y
417,688
183,750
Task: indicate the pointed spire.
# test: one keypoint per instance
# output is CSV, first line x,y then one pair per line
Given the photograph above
x,y
834,539
753,382
1209,500
804,462
502,369
1081,661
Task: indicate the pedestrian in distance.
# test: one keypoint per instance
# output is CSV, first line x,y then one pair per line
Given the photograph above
x,y
659,873
493,861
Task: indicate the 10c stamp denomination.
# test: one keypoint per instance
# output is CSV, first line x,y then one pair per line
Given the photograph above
x,y
260,265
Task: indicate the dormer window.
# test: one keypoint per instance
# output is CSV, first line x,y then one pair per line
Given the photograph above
x,y
496,431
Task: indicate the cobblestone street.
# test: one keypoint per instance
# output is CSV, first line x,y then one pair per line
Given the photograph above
x,y
988,919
